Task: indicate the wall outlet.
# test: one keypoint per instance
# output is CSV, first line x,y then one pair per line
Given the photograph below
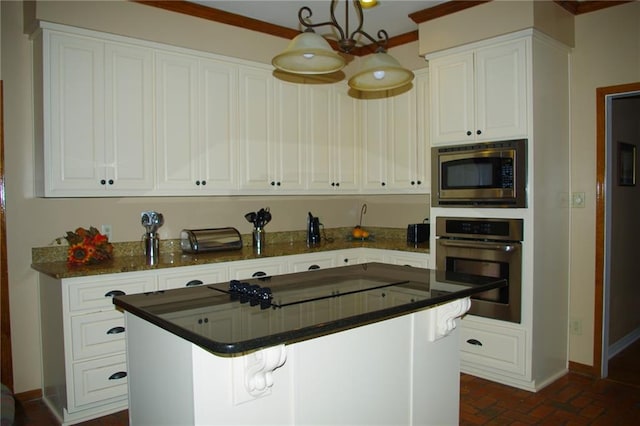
x,y
106,230
577,199
575,327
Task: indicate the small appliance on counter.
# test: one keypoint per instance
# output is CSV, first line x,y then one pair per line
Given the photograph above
x,y
211,239
418,232
313,230
259,220
151,240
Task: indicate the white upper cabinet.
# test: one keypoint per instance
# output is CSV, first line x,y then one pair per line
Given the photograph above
x,y
270,133
394,154
374,144
287,158
127,117
195,127
479,94
423,147
97,117
332,139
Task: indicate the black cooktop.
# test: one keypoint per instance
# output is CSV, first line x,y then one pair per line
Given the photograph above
x,y
244,315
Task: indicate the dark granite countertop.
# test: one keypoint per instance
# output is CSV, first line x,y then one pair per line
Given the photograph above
x,y
304,305
284,244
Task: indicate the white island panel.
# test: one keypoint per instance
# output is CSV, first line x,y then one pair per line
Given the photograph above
x,y
403,370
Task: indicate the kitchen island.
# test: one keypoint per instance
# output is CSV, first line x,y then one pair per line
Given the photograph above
x,y
363,344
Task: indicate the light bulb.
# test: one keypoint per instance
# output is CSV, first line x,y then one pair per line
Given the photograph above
x,y
378,75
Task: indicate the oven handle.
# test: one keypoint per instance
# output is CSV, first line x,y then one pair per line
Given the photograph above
x,y
484,246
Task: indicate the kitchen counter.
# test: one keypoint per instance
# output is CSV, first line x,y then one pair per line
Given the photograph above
x,y
284,244
356,345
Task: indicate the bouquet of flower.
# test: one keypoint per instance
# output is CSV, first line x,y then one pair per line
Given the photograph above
x,y
88,246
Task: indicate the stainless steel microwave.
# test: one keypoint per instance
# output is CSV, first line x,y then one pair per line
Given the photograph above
x,y
492,174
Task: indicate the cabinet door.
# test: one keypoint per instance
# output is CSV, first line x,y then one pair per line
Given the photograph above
x,y
452,98
74,96
255,106
346,140
98,115
501,91
374,144
176,122
218,131
319,136
287,163
129,157
402,143
423,147
333,135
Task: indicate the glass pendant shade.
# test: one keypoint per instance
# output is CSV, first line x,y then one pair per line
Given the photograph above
x,y
380,71
309,53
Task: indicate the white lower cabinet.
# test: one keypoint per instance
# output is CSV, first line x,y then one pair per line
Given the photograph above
x,y
256,268
83,343
419,260
100,381
196,275
97,334
310,262
489,347
83,335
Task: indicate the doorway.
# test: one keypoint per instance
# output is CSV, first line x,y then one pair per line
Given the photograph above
x,y
617,230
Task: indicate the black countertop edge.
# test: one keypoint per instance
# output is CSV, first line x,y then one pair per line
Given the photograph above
x,y
232,349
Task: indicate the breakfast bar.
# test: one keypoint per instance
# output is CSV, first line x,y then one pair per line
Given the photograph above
x,y
362,344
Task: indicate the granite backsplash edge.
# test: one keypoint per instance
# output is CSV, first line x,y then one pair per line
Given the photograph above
x,y
57,253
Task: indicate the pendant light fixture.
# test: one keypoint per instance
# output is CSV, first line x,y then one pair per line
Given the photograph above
x,y
310,53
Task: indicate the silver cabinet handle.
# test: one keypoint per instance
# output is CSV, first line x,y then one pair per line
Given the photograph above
x,y
485,246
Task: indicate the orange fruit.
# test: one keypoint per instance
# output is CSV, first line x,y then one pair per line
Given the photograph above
x,y
357,233
365,234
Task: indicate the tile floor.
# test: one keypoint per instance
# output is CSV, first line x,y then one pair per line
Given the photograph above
x,y
572,400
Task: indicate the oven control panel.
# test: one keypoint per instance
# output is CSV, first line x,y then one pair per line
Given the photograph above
x,y
491,229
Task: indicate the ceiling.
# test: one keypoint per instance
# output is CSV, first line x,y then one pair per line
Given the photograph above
x,y
390,15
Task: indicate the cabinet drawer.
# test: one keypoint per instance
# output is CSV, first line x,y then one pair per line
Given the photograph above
x,y
306,262
97,334
97,293
102,380
492,346
197,275
257,268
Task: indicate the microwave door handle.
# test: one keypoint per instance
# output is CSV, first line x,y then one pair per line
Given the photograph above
x,y
484,246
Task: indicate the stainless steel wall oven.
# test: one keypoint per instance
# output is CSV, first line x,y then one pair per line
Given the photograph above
x,y
489,247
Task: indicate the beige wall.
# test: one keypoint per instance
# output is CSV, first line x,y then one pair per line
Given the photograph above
x,y
35,222
607,53
493,19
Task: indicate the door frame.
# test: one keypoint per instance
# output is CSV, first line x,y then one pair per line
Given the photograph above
x,y
602,95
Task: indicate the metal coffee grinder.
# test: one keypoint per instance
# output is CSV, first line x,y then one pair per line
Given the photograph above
x,y
151,240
